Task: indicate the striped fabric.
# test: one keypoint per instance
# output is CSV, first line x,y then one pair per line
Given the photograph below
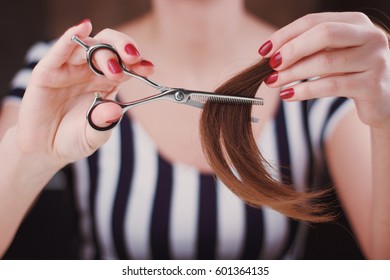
x,y
134,204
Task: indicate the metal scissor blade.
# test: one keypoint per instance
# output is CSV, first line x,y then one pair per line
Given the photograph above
x,y
195,104
200,105
205,97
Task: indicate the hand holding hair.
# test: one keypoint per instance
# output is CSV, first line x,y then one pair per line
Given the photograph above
x,y
346,50
331,46
229,145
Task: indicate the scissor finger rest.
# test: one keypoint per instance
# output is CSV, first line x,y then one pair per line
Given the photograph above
x,y
178,95
93,49
90,52
99,101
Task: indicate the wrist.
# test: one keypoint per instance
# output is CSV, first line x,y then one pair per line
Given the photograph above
x,y
32,169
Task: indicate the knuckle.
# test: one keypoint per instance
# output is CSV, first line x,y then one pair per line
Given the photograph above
x,y
333,86
382,62
106,31
310,19
289,50
352,84
379,38
360,17
286,74
328,30
326,60
376,82
306,91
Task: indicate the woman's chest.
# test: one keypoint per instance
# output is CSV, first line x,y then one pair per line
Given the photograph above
x,y
143,206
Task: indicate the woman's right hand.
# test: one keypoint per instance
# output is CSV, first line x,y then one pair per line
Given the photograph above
x,y
52,120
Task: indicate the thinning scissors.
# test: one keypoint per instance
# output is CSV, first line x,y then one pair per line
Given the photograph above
x,y
178,95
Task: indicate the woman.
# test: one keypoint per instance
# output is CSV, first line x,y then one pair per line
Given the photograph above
x,y
148,192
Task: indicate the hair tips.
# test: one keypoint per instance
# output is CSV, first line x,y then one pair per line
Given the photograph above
x,y
231,150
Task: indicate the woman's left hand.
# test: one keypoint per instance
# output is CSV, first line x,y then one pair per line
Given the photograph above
x,y
347,54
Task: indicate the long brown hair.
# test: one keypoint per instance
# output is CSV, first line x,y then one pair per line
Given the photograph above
x,y
231,150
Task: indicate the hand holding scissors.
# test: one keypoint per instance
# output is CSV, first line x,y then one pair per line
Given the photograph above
x,y
178,95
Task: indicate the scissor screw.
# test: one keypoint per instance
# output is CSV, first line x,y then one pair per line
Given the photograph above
x,y
179,96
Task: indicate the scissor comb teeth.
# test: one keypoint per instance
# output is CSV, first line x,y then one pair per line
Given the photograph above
x,y
226,99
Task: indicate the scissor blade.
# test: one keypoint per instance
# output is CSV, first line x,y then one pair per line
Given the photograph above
x,y
205,97
200,105
195,104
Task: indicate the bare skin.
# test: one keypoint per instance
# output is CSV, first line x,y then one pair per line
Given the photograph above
x,y
201,63
352,55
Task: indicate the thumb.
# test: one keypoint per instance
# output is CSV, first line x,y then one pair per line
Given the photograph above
x,y
103,117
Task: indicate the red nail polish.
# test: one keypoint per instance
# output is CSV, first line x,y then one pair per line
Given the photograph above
x,y
113,66
272,78
131,50
113,121
276,60
83,21
265,48
146,63
287,93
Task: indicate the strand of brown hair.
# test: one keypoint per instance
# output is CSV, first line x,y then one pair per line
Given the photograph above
x,y
231,150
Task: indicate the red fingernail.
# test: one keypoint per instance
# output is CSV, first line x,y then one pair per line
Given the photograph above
x,y
272,78
146,63
265,48
113,121
83,21
287,93
113,66
131,50
276,60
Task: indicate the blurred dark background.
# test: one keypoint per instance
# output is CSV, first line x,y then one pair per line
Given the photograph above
x,y
23,23
49,231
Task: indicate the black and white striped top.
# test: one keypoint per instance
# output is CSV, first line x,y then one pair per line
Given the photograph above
x,y
134,204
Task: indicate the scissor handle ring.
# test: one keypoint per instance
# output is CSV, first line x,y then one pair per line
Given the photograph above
x,y
89,116
90,52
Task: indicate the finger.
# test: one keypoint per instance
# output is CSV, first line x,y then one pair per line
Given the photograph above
x,y
347,85
106,62
303,24
63,49
144,68
124,45
325,63
109,62
325,36
105,114
102,116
